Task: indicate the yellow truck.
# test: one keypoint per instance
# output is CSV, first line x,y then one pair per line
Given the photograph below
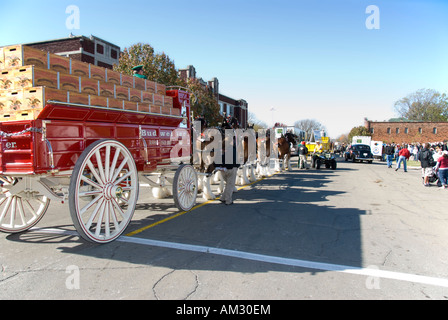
x,y
326,145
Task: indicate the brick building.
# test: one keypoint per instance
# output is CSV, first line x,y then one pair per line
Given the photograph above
x,y
230,106
407,132
236,108
91,50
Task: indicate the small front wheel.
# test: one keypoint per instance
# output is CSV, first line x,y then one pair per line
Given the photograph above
x,y
333,165
22,211
185,187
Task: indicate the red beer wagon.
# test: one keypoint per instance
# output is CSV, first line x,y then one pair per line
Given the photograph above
x,y
93,157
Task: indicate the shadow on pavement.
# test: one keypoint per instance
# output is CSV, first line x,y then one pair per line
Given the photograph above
x,y
287,215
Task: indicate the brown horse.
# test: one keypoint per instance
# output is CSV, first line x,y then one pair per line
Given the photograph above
x,y
284,149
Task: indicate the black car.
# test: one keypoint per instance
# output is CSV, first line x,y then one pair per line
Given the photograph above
x,y
359,152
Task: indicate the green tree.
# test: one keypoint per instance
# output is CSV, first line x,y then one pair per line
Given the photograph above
x,y
358,131
423,105
203,102
157,67
160,68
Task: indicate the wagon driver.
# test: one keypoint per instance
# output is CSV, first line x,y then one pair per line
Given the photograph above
x,y
138,72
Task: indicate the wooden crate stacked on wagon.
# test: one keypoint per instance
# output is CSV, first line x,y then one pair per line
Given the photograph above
x,y
29,78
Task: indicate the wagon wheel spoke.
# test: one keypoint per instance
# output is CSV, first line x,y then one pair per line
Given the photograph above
x,y
20,212
113,182
185,187
92,216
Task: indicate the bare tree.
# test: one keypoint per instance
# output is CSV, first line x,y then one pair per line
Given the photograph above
x,y
309,125
253,120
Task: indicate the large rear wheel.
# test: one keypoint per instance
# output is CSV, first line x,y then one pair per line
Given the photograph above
x,y
103,191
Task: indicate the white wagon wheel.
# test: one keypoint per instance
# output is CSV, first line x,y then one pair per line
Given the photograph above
x,y
22,211
103,191
185,187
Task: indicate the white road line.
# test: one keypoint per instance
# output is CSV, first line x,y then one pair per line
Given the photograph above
x,y
368,272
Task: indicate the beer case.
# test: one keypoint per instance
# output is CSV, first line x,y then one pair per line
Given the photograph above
x,y
16,78
139,83
78,98
99,101
34,98
160,89
158,99
135,95
97,73
88,86
168,102
107,89
113,77
127,81
147,97
150,86
2,59
79,68
130,105
69,82
20,55
121,92
59,63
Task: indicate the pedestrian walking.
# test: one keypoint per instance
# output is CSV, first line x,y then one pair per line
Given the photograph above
x,y
426,162
397,149
442,169
389,151
403,157
415,153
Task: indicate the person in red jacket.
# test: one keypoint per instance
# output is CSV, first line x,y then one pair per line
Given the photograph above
x,y
403,156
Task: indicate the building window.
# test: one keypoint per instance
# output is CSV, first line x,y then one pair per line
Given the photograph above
x,y
420,130
397,130
114,54
406,130
388,130
99,49
434,130
372,131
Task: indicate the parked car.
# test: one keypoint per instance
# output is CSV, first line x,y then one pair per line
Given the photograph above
x,y
359,152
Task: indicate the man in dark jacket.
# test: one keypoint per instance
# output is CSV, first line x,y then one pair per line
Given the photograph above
x,y
303,152
389,151
229,170
426,162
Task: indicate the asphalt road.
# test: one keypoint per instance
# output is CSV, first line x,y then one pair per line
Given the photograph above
x,y
362,231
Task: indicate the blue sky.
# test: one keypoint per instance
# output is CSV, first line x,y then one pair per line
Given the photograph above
x,y
304,58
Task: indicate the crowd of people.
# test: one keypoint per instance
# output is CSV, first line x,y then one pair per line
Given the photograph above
x,y
433,158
